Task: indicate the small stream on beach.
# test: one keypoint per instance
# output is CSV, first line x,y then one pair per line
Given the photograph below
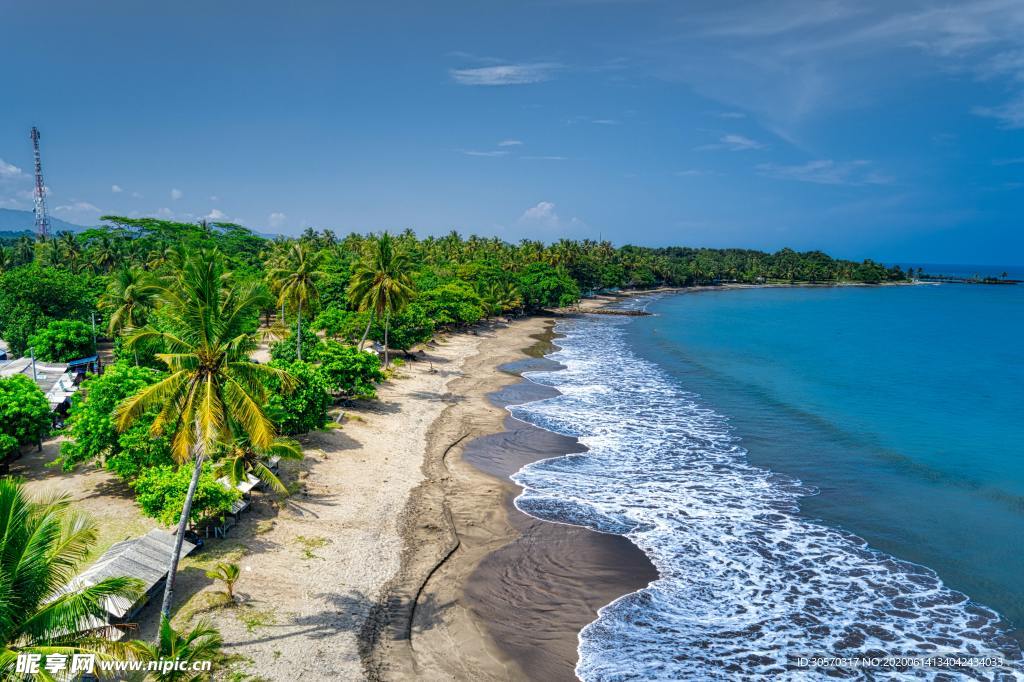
x,y
745,489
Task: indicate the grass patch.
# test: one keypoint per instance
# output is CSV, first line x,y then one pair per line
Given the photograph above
x,y
264,526
254,619
308,544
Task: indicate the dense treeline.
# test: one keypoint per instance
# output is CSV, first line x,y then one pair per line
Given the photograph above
x,y
455,280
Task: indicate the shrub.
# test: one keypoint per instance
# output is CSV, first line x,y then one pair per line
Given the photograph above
x,y
304,408
91,426
452,303
62,341
349,371
24,414
543,286
161,490
339,323
409,327
32,296
285,349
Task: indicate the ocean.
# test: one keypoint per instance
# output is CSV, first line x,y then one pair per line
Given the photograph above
x,y
815,473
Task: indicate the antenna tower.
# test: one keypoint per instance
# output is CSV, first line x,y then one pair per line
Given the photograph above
x,y
42,218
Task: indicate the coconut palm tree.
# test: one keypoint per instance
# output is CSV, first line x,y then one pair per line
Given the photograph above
x,y
130,295
381,284
6,258
212,382
201,643
42,610
241,456
227,574
295,281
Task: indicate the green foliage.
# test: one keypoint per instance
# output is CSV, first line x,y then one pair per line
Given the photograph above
x,y
24,414
349,371
285,350
339,323
304,408
62,341
93,432
410,326
161,490
543,286
41,543
32,296
453,303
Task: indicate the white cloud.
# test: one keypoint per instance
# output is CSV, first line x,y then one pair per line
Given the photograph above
x,y
116,189
165,213
217,216
733,143
544,214
694,172
545,158
1010,115
214,198
506,74
176,194
605,121
78,207
510,143
731,114
8,171
277,219
137,195
474,152
826,172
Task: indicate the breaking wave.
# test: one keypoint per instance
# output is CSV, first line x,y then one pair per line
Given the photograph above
x,y
747,586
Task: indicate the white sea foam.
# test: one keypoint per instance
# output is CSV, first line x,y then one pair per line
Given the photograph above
x,y
747,586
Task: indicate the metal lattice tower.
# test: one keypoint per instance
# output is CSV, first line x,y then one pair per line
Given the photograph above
x,y
42,218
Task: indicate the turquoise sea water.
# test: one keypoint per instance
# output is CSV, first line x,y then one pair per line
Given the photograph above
x,y
813,471
903,406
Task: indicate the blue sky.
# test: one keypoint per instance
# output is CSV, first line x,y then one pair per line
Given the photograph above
x,y
891,130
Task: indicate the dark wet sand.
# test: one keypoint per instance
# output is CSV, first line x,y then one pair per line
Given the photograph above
x,y
536,593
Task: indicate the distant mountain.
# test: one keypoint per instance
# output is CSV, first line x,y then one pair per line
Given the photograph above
x,y
17,221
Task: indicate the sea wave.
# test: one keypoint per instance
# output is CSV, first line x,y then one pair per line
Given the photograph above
x,y
748,588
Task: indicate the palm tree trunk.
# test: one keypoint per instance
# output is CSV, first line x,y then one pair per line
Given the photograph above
x,y
387,319
366,332
186,511
298,343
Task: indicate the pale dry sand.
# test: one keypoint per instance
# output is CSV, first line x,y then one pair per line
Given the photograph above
x,y
314,563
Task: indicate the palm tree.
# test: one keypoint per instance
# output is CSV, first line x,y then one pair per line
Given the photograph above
x,y
381,284
295,280
227,574
240,457
130,295
212,383
6,258
42,610
201,643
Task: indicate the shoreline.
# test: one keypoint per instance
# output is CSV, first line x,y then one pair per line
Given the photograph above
x,y
476,573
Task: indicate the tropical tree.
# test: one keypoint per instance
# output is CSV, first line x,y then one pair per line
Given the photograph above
x,y
227,574
42,610
212,382
241,457
381,284
130,296
295,281
201,643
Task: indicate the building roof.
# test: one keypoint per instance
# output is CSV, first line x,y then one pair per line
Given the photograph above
x,y
144,558
53,379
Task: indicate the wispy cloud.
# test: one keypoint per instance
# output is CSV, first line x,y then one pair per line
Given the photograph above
x,y
487,152
277,220
826,172
8,171
116,189
545,158
695,173
506,74
510,143
78,207
1010,115
733,143
176,194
